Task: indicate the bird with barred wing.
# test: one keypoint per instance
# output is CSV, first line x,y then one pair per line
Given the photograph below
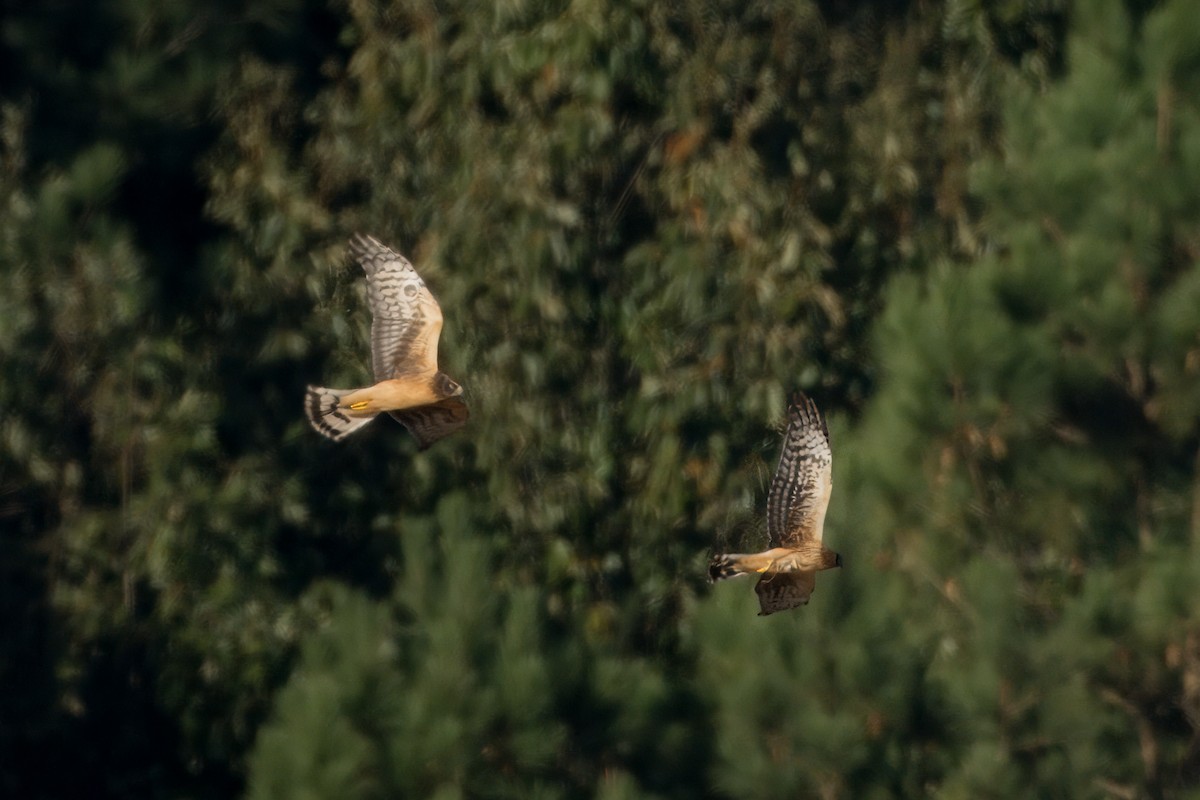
x,y
796,508
406,324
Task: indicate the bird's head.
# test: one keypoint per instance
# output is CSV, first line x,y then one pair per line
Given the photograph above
x,y
446,386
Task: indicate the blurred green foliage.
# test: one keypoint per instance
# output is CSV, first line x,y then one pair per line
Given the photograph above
x,y
967,229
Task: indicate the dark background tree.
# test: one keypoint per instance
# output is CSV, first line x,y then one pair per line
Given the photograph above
x,y
967,231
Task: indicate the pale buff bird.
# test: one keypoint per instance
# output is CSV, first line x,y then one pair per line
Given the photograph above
x,y
406,323
796,509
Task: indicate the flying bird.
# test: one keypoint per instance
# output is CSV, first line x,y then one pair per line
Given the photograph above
x,y
796,509
404,342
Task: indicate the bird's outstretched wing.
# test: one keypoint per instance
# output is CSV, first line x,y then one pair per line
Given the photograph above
x,y
779,591
406,319
802,483
429,423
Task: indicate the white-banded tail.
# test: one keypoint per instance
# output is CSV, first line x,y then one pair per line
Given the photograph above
x,y
730,565
321,406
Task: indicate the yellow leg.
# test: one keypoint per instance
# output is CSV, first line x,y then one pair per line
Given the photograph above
x,y
360,405
770,564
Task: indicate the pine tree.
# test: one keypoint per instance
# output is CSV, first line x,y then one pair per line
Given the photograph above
x,y
1024,481
447,689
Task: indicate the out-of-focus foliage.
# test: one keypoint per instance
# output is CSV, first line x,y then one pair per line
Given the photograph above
x,y
967,229
1022,488
457,687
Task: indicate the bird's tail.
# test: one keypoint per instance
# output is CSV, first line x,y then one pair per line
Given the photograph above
x,y
730,565
321,406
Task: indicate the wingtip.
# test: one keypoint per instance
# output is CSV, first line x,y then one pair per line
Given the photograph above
x,y
801,400
362,242
803,405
